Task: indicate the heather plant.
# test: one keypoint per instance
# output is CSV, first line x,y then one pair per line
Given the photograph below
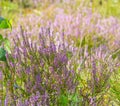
x,y
74,60
38,75
94,70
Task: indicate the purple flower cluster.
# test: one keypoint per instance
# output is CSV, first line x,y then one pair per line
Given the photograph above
x,y
76,25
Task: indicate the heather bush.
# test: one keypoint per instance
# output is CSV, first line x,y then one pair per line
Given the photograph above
x,y
45,73
38,74
66,55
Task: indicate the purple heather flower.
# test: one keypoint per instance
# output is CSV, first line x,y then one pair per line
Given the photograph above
x,y
28,70
38,79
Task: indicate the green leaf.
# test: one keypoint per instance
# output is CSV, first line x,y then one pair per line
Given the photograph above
x,y
2,54
1,39
63,100
7,45
4,23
